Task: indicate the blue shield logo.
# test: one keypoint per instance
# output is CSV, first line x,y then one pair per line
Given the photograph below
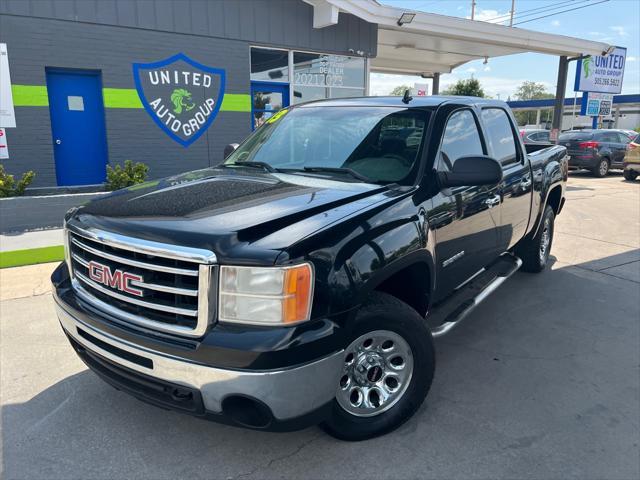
x,y
181,95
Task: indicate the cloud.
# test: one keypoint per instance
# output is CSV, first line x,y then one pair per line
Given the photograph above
x,y
619,29
471,70
490,16
631,59
383,83
555,23
487,68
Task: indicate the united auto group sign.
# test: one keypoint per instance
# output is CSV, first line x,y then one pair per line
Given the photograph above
x,y
181,95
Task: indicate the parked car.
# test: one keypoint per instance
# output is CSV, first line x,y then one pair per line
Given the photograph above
x,y
304,279
631,165
629,133
535,137
596,150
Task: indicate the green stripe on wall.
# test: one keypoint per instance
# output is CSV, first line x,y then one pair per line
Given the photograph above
x,y
236,102
121,98
36,96
30,96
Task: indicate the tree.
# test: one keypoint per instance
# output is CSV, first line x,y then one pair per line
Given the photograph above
x,y
530,91
399,90
470,87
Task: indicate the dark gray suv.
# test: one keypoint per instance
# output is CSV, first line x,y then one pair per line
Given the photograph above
x,y
596,150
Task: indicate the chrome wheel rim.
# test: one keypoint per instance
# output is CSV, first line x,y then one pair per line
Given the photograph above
x,y
545,240
376,373
604,167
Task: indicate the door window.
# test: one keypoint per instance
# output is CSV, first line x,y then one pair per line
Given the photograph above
x,y
622,138
500,135
461,138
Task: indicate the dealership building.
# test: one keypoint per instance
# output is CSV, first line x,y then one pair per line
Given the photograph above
x,y
170,83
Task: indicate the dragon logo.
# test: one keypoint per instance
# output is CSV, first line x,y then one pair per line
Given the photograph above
x,y
181,95
181,98
586,66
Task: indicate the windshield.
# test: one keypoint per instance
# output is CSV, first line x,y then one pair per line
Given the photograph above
x,y
378,144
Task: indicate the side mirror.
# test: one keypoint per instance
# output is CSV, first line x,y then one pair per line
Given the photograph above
x,y
473,170
229,149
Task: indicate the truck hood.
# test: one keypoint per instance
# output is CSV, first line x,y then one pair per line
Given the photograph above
x,y
241,214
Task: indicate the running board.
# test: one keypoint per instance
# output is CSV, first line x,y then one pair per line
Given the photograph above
x,y
449,313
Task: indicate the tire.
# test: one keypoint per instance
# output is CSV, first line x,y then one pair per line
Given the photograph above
x,y
630,175
601,169
403,326
534,259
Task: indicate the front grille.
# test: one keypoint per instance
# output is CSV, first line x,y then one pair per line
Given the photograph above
x,y
143,283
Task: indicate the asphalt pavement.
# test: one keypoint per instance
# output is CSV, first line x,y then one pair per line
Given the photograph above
x,y
542,381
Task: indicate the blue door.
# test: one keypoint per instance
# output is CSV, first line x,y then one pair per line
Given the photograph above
x,y
77,126
266,99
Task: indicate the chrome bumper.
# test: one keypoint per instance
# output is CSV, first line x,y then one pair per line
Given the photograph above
x,y
289,393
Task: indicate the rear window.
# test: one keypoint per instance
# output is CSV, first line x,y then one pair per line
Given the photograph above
x,y
575,136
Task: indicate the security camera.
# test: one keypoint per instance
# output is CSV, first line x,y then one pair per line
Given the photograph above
x,y
609,50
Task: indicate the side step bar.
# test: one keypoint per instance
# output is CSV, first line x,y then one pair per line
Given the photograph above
x,y
449,313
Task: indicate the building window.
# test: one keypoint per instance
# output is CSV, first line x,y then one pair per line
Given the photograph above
x,y
319,76
269,65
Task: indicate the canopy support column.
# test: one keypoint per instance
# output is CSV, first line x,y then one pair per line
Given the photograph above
x,y
556,125
435,90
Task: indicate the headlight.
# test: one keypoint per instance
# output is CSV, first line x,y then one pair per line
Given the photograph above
x,y
266,295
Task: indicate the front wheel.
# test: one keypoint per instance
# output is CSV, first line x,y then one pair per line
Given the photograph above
x,y
601,169
630,175
534,252
387,371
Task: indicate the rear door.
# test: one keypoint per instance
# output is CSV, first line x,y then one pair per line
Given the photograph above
x,y
620,147
515,189
465,219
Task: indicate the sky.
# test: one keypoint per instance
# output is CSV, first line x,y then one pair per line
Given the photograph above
x,y
615,21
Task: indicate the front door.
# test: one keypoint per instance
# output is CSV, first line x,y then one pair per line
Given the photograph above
x,y
77,126
465,219
266,99
516,186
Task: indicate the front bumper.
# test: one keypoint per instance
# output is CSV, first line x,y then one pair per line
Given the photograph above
x,y
282,399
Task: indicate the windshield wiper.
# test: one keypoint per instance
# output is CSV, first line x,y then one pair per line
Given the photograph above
x,y
263,165
348,171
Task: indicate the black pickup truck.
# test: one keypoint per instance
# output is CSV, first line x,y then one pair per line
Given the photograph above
x,y
304,278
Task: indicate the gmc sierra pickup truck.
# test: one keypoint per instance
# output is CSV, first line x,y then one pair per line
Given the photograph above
x,y
303,279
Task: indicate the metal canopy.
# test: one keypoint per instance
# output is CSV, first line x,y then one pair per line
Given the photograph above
x,y
433,43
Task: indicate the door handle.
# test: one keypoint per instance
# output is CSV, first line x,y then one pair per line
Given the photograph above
x,y
492,201
58,141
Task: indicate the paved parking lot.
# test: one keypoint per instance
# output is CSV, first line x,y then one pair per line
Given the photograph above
x,y
542,381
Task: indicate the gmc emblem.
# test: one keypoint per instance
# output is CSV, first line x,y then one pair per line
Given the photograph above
x,y
117,279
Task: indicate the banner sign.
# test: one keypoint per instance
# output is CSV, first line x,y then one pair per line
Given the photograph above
x,y
4,148
181,95
601,74
595,104
7,114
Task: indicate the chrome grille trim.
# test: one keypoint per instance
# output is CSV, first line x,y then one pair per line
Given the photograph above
x,y
203,260
147,247
128,317
151,286
134,263
135,301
